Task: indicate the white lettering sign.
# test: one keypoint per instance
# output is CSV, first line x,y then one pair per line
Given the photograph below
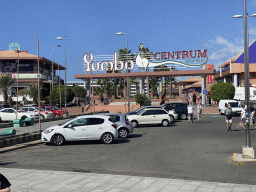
x,y
109,65
26,76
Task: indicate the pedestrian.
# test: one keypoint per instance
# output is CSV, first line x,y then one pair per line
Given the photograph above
x,y
4,184
253,113
162,102
190,112
243,116
199,112
194,99
228,112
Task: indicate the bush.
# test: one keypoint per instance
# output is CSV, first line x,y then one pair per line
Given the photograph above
x,y
142,100
221,91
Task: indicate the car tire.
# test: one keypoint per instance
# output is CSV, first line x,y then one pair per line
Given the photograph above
x,y
183,116
220,112
134,123
165,123
171,118
107,138
123,132
23,117
57,115
41,117
58,139
1,120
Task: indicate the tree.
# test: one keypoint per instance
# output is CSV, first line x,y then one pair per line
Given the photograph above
x,y
55,94
142,100
5,82
222,90
79,92
32,91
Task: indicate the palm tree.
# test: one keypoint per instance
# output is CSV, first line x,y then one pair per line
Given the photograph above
x,y
5,82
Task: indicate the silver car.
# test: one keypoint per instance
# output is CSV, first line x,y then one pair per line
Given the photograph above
x,y
124,126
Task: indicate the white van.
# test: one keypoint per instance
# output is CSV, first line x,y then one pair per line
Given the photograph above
x,y
236,109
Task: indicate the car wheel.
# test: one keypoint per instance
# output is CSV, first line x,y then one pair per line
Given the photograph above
x,y
57,115
165,123
171,118
57,139
23,117
123,132
41,117
183,116
220,112
1,119
107,138
134,124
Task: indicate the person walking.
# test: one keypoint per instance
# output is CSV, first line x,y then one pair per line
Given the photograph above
x,y
228,112
243,116
190,112
199,110
4,184
194,99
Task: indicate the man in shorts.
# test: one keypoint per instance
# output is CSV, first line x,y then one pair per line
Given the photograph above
x,y
243,116
190,112
199,110
228,112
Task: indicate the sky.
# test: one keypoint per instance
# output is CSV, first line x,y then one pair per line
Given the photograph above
x,y
161,25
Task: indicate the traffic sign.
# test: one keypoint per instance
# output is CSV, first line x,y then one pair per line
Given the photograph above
x,y
205,92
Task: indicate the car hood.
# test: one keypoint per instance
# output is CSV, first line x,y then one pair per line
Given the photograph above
x,y
54,127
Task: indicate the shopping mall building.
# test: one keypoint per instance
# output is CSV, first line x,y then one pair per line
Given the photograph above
x,y
23,67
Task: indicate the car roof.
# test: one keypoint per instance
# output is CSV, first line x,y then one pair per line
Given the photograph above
x,y
96,115
113,114
175,102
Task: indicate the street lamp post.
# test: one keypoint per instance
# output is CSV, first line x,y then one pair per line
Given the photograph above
x,y
52,63
127,91
246,72
61,38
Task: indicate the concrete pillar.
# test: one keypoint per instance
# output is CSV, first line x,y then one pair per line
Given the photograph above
x,y
203,88
235,80
142,85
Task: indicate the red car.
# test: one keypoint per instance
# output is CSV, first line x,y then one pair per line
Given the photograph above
x,y
56,111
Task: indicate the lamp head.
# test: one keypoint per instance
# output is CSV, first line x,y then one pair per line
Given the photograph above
x,y
60,38
57,45
254,15
238,16
120,33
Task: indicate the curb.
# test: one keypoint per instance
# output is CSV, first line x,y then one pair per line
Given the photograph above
x,y
19,146
234,161
237,159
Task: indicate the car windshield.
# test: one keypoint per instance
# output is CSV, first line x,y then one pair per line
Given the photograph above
x,y
233,104
141,111
69,121
56,108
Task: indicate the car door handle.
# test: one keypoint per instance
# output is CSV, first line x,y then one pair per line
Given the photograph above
x,y
154,116
83,129
100,127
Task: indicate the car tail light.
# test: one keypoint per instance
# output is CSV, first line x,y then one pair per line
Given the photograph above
x,y
127,123
114,125
174,112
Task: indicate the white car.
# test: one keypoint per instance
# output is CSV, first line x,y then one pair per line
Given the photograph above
x,y
236,109
43,114
173,115
9,114
150,116
86,127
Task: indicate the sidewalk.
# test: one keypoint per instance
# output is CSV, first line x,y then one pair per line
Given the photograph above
x,y
24,180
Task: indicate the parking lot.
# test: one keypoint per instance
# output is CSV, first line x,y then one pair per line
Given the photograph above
x,y
197,151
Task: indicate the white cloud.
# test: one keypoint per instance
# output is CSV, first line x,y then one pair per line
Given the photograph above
x,y
222,49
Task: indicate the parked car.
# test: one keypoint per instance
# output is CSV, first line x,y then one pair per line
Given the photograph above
x,y
179,107
43,114
124,126
5,106
86,127
9,114
236,109
55,110
172,113
150,116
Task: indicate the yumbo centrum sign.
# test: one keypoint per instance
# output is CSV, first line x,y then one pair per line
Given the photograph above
x,y
195,58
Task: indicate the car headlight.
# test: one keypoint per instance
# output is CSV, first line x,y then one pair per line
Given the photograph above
x,y
48,131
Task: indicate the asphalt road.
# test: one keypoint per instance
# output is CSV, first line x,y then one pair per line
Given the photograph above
x,y
196,151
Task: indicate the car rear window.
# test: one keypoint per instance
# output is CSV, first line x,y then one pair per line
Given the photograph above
x,y
115,118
